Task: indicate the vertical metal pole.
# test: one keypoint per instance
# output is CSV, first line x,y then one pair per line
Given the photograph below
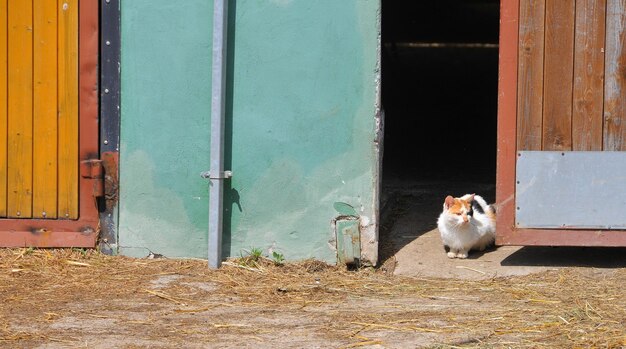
x,y
216,177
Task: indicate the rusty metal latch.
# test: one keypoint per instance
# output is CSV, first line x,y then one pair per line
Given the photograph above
x,y
348,238
92,169
221,175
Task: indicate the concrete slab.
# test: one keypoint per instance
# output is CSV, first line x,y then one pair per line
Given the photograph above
x,y
411,245
425,256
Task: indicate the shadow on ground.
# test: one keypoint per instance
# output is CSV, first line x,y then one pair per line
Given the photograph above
x,y
411,207
594,257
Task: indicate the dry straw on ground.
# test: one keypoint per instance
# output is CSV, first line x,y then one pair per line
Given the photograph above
x,y
70,297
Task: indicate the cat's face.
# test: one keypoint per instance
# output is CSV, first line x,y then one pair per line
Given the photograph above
x,y
459,210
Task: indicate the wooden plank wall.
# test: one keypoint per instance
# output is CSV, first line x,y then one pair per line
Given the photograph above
x,y
3,105
530,74
39,109
588,83
20,109
45,110
615,84
68,108
557,74
571,82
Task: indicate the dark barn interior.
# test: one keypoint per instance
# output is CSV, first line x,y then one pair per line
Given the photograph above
x,y
439,95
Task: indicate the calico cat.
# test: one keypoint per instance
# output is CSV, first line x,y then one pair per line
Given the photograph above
x,y
466,223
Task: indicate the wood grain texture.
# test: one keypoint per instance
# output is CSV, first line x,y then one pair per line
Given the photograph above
x,y
530,74
558,75
615,79
507,125
588,95
68,108
20,109
563,237
3,107
45,109
82,232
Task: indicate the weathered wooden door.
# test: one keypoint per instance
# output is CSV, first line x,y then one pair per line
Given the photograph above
x,y
48,123
562,123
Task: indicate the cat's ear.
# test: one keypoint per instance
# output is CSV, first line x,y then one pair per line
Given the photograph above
x,y
449,201
471,198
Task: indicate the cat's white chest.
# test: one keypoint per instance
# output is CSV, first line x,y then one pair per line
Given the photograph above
x,y
463,236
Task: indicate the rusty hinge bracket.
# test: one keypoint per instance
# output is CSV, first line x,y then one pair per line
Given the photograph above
x,y
348,237
92,169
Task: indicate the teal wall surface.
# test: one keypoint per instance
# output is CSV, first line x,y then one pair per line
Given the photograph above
x,y
164,140
301,125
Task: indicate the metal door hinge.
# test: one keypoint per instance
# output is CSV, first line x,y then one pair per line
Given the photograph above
x,y
92,169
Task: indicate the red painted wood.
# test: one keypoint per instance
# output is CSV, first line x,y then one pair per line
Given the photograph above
x,y
507,111
84,231
557,237
42,238
506,233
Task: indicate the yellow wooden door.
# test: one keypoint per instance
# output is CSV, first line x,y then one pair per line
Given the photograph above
x,y
39,109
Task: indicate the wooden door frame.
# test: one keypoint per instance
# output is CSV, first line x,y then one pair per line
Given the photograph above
x,y
84,231
507,234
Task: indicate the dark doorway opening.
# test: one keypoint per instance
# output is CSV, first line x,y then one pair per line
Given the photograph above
x,y
439,94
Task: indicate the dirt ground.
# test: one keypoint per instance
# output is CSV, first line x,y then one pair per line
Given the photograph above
x,y
504,298
81,299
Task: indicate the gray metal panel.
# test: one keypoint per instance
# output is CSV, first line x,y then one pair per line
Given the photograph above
x,y
571,190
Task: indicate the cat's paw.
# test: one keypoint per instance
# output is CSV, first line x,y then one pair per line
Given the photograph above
x,y
461,255
451,254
